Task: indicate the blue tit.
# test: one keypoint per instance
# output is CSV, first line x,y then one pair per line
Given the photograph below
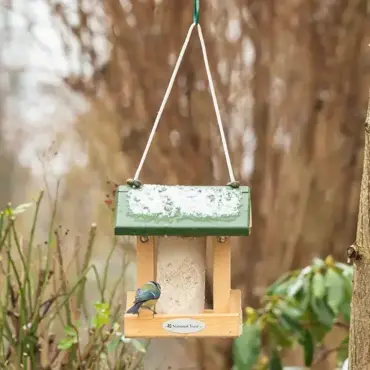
x,y
146,297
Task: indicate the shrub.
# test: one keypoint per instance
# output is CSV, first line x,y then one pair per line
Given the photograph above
x,y
39,294
300,308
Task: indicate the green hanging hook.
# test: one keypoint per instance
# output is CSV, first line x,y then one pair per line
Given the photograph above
x,y
196,12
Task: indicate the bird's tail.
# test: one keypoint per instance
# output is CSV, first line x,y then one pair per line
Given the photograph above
x,y
135,308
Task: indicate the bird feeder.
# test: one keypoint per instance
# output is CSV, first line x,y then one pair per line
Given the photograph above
x,y
173,225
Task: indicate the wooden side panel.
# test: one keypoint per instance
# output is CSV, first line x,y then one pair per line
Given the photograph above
x,y
145,260
221,275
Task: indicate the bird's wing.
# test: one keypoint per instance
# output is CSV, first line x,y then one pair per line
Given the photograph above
x,y
145,295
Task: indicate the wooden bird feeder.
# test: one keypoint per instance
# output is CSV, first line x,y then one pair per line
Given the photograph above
x,y
173,225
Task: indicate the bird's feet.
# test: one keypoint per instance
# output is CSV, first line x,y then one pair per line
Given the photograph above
x,y
151,309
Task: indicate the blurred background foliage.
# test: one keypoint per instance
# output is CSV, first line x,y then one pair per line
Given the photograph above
x,y
80,85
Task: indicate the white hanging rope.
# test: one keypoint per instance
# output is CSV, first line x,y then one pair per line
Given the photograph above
x,y
167,94
215,104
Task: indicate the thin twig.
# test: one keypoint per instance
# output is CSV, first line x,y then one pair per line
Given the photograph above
x,y
327,353
340,324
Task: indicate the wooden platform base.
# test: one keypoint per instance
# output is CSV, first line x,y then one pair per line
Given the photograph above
x,y
207,324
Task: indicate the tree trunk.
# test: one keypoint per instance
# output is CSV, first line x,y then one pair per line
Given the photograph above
x,y
359,354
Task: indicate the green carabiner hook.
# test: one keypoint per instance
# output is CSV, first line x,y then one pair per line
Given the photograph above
x,y
196,12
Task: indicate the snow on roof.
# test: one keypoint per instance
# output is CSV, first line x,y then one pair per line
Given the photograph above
x,y
184,201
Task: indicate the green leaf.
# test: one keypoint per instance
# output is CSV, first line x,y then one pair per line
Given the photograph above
x,y
318,262
247,347
278,336
318,285
291,324
251,314
323,313
342,353
275,362
8,212
21,208
123,339
297,286
347,270
335,290
288,309
307,270
102,315
345,308
282,289
138,346
318,331
283,279
348,288
101,307
345,311
70,331
67,343
113,344
308,347
305,301
99,321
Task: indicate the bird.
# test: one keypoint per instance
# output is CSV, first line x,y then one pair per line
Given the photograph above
x,y
146,297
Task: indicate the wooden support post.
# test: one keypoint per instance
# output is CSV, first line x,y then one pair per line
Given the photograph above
x,y
221,274
145,259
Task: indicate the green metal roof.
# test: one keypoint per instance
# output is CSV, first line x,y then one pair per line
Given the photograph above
x,y
183,210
